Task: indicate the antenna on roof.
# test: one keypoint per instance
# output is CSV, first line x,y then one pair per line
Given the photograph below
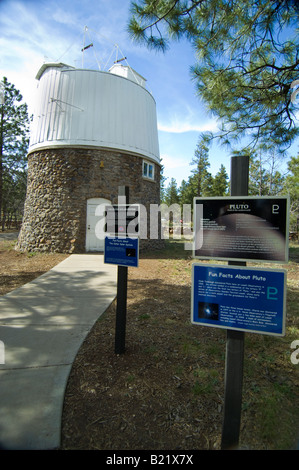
x,y
87,47
120,60
84,48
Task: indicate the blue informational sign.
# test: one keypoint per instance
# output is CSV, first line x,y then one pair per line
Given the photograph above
x,y
237,298
121,251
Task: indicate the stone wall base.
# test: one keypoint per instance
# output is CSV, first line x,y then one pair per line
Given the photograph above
x,y
60,182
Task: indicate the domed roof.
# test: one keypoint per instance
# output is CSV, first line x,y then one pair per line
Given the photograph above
x,y
91,108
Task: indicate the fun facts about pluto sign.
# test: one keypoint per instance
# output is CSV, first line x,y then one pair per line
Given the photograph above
x,y
238,298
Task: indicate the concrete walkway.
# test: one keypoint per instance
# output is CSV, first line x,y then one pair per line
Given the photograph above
x,y
42,326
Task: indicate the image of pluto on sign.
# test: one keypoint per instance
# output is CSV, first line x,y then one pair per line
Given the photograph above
x,y
208,311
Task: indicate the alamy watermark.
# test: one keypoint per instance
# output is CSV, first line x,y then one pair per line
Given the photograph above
x,y
295,354
2,352
294,84
161,221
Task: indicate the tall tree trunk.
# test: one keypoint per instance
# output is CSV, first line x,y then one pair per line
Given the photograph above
x,y
1,154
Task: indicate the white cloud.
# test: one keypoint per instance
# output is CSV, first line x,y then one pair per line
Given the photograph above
x,y
183,118
64,17
171,162
179,127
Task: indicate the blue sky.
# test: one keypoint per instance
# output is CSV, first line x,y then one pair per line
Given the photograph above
x,y
36,31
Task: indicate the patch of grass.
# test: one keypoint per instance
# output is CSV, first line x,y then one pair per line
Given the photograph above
x,y
173,249
152,349
7,245
270,392
131,378
275,402
294,252
144,316
206,381
191,347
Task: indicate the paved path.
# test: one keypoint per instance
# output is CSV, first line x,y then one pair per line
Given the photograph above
x,y
9,235
42,326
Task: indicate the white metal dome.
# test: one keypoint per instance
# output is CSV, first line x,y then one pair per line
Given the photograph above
x,y
90,108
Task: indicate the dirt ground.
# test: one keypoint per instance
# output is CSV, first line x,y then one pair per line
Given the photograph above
x,y
166,391
17,268
143,399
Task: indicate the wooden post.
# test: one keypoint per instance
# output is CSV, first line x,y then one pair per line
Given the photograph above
x,y
235,339
121,305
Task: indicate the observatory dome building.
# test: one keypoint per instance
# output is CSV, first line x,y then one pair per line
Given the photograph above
x,y
92,132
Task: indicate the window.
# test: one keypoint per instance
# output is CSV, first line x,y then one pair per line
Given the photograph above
x,y
148,170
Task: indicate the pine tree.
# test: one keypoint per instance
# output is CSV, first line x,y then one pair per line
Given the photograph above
x,y
247,60
171,193
264,178
292,188
14,136
257,179
188,190
201,160
220,182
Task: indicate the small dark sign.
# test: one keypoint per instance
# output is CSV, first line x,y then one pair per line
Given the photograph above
x,y
122,219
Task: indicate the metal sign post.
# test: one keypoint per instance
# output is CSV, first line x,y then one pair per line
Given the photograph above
x,y
121,305
234,339
121,310
122,248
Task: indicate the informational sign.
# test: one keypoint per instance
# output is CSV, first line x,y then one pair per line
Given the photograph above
x,y
121,251
239,298
241,228
122,219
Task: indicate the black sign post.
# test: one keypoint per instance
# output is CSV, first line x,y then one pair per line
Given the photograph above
x,y
121,305
234,339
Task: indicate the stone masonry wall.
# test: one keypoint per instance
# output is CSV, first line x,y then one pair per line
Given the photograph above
x,y
60,181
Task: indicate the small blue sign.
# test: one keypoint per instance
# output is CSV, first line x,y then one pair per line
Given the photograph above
x,y
245,299
122,251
